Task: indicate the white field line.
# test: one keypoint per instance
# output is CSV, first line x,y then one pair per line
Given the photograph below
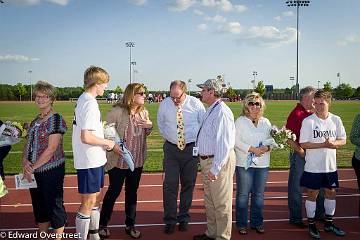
x,y
162,224
161,201
197,184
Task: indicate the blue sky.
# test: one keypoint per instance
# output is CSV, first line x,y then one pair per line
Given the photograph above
x,y
180,39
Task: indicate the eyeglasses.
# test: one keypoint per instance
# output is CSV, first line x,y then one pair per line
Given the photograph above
x,y
177,98
257,104
140,93
45,97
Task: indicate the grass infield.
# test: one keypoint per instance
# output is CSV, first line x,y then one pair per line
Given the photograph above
x,y
276,112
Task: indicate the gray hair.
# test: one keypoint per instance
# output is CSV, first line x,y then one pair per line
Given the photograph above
x,y
306,91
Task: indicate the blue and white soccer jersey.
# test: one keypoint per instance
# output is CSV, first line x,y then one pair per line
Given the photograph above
x,y
320,167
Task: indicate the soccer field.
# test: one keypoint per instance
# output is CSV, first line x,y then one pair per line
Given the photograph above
x,y
276,112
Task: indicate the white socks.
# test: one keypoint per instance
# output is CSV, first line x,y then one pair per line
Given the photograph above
x,y
329,206
82,225
310,207
94,224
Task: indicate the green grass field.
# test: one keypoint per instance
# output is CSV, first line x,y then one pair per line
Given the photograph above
x,y
276,111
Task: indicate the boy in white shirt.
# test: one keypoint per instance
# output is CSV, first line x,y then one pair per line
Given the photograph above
x,y
89,147
321,134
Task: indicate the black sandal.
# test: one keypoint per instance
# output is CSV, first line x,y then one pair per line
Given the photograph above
x,y
243,231
104,232
132,232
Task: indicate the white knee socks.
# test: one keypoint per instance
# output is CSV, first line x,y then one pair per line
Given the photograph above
x,y
329,206
94,224
82,225
310,207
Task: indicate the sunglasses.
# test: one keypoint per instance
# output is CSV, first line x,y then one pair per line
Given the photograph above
x,y
257,104
141,93
41,97
177,98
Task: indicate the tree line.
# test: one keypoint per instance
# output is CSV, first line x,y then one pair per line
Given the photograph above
x,y
343,91
20,92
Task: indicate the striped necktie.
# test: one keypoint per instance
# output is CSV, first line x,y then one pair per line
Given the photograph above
x,y
180,128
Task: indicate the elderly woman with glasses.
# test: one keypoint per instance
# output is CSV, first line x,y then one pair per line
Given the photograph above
x,y
44,157
252,162
133,125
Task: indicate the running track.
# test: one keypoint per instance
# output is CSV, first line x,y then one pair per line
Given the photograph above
x,y
16,210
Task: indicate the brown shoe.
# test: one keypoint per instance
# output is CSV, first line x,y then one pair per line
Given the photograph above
x,y
202,237
132,232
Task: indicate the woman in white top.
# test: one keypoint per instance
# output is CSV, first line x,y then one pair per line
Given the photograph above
x,y
252,162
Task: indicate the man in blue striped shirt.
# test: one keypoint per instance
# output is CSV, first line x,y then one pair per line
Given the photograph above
x,y
215,142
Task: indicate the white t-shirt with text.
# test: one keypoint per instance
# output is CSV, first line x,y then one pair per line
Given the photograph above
x,y
316,130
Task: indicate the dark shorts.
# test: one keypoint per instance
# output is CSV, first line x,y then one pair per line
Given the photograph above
x,y
319,180
47,198
90,180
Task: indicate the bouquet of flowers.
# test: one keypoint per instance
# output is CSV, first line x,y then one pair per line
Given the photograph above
x,y
280,137
3,190
111,133
11,133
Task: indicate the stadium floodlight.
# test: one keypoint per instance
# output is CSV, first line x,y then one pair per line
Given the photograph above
x,y
297,4
338,75
254,73
130,45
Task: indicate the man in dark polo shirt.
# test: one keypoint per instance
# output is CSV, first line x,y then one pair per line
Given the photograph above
x,y
297,158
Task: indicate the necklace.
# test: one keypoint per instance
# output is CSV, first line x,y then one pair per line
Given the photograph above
x,y
44,115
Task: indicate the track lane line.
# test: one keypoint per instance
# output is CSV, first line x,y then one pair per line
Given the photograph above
x,y
162,224
161,201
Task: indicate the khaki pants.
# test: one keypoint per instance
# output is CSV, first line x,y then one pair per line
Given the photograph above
x,y
218,198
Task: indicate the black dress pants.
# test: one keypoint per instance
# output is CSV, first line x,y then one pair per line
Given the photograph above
x,y
117,177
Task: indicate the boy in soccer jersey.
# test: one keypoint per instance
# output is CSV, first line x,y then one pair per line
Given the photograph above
x,y
321,134
89,147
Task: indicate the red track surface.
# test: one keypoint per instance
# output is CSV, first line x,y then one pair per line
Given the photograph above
x,y
16,210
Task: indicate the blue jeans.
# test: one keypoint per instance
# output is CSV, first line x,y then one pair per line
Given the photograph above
x,y
252,180
295,191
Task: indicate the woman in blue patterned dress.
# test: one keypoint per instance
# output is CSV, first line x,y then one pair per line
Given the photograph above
x,y
44,157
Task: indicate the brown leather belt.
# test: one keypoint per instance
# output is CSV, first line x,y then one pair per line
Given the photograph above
x,y
206,157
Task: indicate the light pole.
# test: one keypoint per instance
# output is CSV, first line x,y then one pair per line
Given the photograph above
x,y
318,84
30,85
133,63
134,71
292,79
338,75
189,81
130,45
297,4
253,81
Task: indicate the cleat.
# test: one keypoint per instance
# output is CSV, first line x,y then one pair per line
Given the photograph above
x,y
336,230
313,231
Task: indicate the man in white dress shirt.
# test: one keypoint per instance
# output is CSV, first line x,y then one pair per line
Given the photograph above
x,y
215,143
179,118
